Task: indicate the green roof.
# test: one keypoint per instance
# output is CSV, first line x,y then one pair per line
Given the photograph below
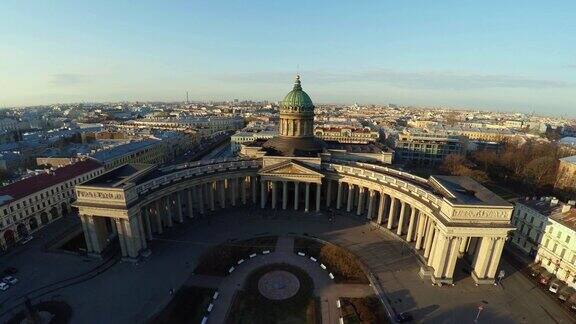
x,y
297,98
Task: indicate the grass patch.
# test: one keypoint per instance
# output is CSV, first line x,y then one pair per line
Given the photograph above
x,y
344,265
367,310
218,260
188,305
250,307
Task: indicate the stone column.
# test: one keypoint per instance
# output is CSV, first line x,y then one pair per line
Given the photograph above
x,y
429,235
401,217
350,197
440,254
200,191
263,194
284,194
328,192
360,207
370,204
159,213
452,257
121,236
495,259
146,217
462,247
244,194
483,258
433,242
211,188
307,199
234,189
87,232
318,196
142,234
190,202
339,196
420,231
296,194
221,186
391,212
254,189
381,206
274,194
411,224
179,216
168,208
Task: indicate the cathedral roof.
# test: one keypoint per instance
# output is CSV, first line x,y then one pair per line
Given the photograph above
x,y
297,98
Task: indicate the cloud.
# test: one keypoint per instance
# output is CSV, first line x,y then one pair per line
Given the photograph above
x,y
68,79
404,79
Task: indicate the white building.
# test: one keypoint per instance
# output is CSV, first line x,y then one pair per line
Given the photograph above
x,y
546,230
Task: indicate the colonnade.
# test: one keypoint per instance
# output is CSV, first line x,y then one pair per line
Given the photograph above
x,y
387,208
292,193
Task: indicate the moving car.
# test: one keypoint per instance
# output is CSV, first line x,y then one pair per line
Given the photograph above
x,y
4,286
10,280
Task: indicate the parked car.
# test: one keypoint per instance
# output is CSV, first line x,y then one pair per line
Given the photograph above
x,y
404,317
545,278
556,285
26,239
535,269
4,286
565,293
10,271
10,280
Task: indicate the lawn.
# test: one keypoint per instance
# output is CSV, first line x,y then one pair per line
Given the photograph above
x,y
250,307
188,305
343,264
218,260
367,310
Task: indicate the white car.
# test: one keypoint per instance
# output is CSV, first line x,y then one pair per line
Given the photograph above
x,y
554,287
10,280
4,286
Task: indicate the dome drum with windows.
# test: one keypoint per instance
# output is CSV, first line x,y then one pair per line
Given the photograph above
x,y
296,126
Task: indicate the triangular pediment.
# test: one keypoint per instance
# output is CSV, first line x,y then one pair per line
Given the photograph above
x,y
290,168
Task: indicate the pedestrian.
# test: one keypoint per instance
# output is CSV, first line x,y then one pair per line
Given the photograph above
x,y
171,291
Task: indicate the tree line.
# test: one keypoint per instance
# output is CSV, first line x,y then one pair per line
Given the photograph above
x,y
530,168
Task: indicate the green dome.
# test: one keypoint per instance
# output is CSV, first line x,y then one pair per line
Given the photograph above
x,y
297,99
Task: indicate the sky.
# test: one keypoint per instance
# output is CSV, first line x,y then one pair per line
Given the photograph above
x,y
496,55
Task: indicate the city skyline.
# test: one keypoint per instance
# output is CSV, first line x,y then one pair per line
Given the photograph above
x,y
467,56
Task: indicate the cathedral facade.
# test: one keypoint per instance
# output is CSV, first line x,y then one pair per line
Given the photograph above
x,y
444,218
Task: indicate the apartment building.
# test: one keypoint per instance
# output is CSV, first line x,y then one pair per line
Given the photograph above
x,y
29,204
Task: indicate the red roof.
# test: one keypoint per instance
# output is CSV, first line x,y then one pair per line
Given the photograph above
x,y
42,181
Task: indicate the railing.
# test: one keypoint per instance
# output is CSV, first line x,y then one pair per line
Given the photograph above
x,y
202,168
383,179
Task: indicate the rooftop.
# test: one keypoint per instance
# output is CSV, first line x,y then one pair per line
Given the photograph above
x,y
26,187
569,159
119,175
465,190
120,150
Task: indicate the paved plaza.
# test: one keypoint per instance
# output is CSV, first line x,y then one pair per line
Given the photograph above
x,y
133,292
